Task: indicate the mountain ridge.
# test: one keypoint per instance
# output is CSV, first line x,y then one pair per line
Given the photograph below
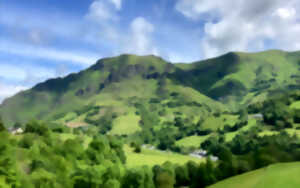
x,y
151,55
230,80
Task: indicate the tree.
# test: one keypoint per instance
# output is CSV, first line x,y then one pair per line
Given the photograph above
x,y
182,176
137,148
243,116
164,176
179,122
2,127
278,114
164,180
138,178
37,127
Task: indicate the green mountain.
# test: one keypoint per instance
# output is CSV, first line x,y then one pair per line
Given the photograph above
x,y
130,91
243,77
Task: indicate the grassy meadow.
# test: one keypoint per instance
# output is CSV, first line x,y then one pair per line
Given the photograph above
x,y
275,176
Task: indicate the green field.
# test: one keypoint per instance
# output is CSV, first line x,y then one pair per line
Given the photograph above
x,y
126,125
295,105
214,123
192,141
293,132
155,157
229,136
274,176
146,157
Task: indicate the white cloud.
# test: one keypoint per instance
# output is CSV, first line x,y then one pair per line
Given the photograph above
x,y
102,20
99,11
9,90
117,3
240,25
140,40
195,9
104,10
30,51
286,13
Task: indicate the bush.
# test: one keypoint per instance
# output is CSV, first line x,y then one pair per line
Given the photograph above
x,y
37,127
137,147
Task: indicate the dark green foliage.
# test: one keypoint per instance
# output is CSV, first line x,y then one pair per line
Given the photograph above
x,y
27,140
139,177
104,123
296,116
166,138
182,176
59,128
278,114
164,176
136,147
59,85
37,127
85,109
2,127
148,117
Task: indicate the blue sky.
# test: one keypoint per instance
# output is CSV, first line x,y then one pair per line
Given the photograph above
x,y
42,39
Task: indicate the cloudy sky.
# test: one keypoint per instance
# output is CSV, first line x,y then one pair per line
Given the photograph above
x,y
41,39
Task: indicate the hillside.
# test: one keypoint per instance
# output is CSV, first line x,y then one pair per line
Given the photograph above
x,y
120,87
242,77
136,89
275,176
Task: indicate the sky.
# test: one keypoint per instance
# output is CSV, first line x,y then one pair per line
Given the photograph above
x,y
42,39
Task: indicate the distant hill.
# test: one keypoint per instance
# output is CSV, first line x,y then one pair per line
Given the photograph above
x,y
275,176
131,91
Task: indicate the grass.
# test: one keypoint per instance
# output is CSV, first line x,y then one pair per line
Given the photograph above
x,y
214,123
268,133
191,141
146,157
231,135
155,157
276,176
126,125
295,105
195,141
66,136
293,132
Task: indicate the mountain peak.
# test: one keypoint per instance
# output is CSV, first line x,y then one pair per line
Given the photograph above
x,y
125,60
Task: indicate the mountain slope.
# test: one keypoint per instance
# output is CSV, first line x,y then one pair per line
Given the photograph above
x,y
115,87
149,90
244,76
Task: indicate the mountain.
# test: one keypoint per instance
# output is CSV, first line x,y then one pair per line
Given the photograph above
x,y
244,76
131,91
